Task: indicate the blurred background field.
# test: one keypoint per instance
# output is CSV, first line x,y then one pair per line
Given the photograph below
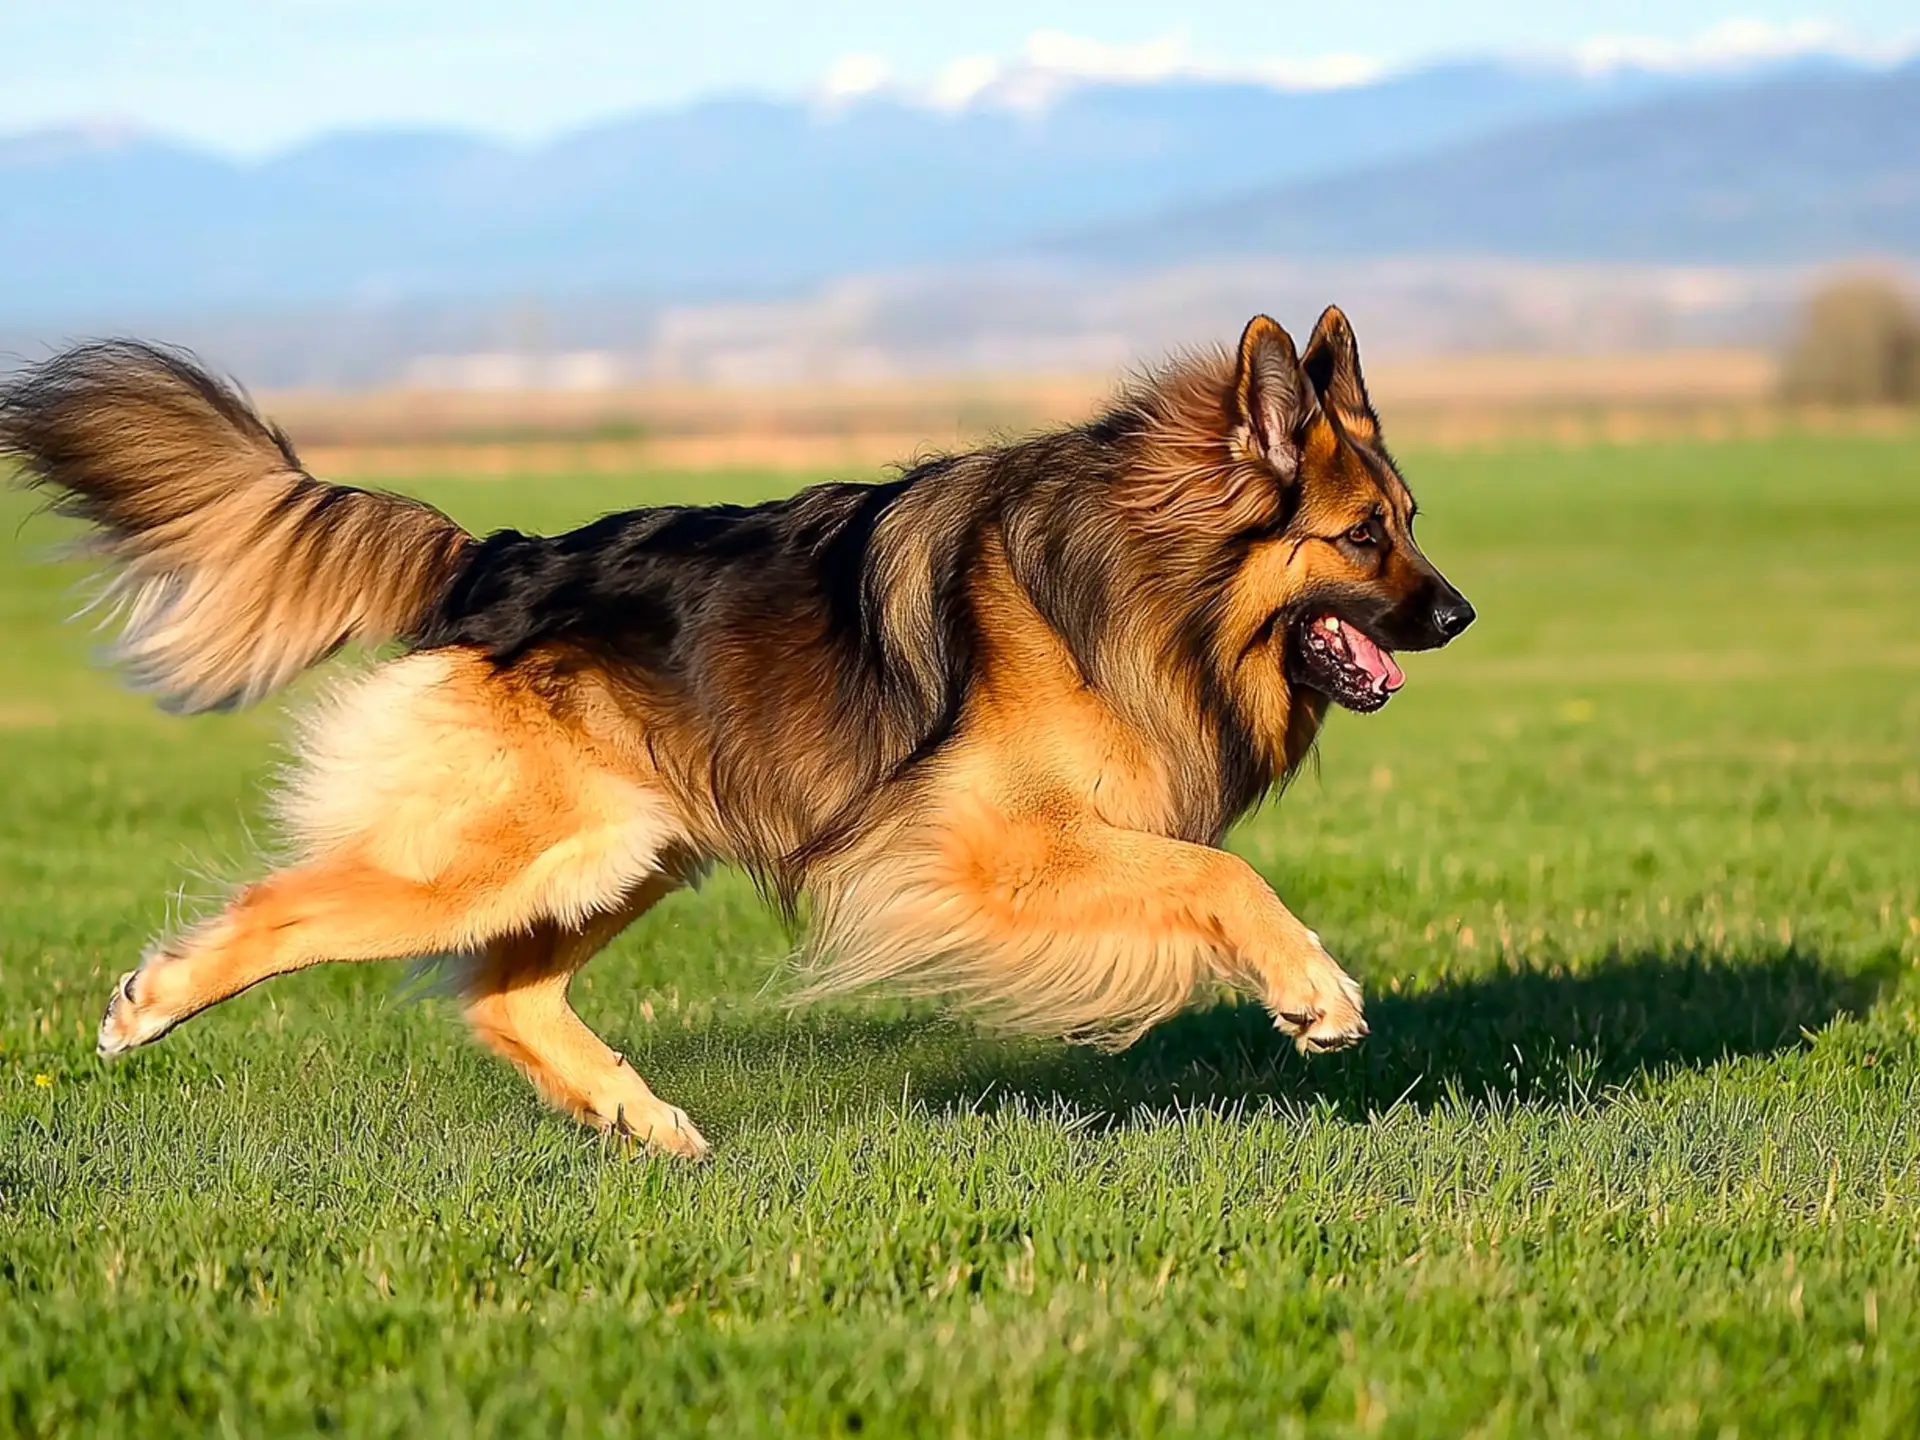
x,y
1437,403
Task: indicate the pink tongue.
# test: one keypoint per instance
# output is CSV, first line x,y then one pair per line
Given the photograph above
x,y
1379,664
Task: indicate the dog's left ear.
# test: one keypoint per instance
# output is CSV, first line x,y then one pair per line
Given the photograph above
x,y
1273,400
1332,366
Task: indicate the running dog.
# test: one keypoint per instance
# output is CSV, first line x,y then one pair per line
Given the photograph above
x,y
990,719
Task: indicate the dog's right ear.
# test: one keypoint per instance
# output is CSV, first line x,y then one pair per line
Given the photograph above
x,y
1273,400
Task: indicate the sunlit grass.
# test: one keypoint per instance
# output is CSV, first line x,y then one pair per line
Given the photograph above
x,y
1632,875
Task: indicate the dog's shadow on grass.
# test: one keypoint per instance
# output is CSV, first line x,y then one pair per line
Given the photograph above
x,y
1532,1035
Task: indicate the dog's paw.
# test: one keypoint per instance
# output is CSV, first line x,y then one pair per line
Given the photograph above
x,y
1319,1004
662,1128
131,1020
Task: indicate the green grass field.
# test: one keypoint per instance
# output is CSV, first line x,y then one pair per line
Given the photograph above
x,y
1631,875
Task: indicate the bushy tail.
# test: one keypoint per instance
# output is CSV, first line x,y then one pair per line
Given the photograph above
x,y
230,568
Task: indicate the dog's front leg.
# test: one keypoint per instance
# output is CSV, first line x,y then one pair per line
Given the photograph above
x,y
1088,928
1262,946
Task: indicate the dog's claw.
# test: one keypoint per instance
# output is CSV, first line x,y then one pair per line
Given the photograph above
x,y
672,1133
1338,1040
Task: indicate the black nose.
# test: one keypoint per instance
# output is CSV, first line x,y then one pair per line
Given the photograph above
x,y
1452,615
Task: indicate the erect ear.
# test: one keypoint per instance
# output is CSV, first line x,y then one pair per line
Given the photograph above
x,y
1332,366
1272,400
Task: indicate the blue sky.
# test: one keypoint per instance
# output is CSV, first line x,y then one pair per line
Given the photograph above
x,y
256,75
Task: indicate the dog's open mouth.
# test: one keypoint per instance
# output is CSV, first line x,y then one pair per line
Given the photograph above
x,y
1342,662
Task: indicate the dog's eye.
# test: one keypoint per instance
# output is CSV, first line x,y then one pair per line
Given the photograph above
x,y
1361,534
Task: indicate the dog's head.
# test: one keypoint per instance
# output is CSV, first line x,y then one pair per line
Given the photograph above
x,y
1352,585
1285,485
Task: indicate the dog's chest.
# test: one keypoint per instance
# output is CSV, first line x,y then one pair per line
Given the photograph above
x,y
1061,746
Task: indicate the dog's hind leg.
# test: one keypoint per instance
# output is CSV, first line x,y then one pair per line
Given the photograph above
x,y
517,1004
336,909
443,812
345,910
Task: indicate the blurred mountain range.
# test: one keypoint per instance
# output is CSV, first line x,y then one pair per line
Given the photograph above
x,y
1027,205
1805,166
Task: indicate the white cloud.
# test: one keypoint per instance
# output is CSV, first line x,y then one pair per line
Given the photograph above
x,y
1728,45
859,74
962,82
1052,62
1326,72
1077,56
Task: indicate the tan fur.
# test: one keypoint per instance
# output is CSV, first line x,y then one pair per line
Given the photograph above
x,y
435,772
1019,901
517,1005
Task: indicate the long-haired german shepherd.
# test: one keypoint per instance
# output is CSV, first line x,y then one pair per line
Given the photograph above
x,y
993,716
